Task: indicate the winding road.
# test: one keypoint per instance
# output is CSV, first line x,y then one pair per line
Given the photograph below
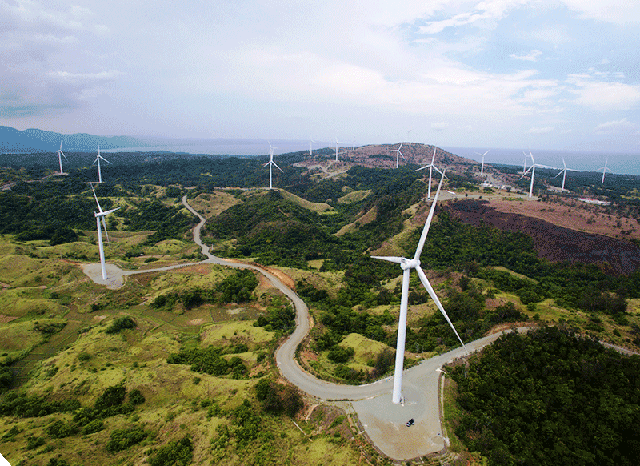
x,y
382,421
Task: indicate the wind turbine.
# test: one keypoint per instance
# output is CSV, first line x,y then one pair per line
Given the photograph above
x,y
398,154
532,169
60,155
100,215
311,141
563,172
271,164
604,169
407,265
524,167
431,167
337,142
98,158
482,169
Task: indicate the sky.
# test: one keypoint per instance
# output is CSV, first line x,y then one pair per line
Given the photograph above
x,y
539,74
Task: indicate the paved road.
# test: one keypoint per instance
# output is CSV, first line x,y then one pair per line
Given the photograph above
x,y
383,421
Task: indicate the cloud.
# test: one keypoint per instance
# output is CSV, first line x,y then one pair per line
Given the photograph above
x,y
531,56
545,130
619,126
603,95
439,126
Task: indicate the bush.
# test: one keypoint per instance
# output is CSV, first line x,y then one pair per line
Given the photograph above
x,y
136,397
340,355
93,426
176,452
61,429
121,323
121,439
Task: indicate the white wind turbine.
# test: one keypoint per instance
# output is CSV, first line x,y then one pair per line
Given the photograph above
x,y
100,215
563,172
524,167
311,141
482,168
604,169
271,164
60,155
398,154
532,169
337,142
431,167
98,158
407,265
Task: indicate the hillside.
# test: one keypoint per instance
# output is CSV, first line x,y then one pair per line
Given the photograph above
x,y
182,360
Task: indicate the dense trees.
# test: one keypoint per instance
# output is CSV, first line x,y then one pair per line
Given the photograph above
x,y
550,397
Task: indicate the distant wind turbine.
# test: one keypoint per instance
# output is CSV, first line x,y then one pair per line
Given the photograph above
x,y
311,141
563,172
271,164
100,215
604,169
98,158
482,168
337,142
60,155
532,169
431,167
407,265
398,154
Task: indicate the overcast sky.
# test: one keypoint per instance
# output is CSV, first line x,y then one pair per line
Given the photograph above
x,y
540,74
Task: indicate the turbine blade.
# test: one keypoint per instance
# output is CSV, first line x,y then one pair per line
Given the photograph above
x,y
96,198
276,165
427,224
394,259
104,225
422,168
427,285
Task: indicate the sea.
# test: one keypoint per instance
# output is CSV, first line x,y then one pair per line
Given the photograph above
x,y
617,163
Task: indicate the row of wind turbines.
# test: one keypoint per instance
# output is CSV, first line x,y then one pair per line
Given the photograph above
x,y
97,160
562,171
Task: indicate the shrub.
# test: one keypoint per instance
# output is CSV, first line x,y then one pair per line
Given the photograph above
x,y
136,397
340,355
121,439
61,429
93,426
121,323
176,452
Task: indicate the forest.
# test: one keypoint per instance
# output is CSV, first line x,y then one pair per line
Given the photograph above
x,y
550,397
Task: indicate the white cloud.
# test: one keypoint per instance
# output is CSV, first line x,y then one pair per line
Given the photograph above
x,y
439,126
603,95
545,130
531,56
619,126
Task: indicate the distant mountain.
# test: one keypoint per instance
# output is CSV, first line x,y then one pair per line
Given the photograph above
x,y
35,140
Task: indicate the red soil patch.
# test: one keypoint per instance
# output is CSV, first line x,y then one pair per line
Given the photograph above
x,y
552,242
575,216
6,319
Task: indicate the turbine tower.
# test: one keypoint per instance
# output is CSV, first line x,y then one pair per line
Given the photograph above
x,y
604,169
398,154
337,142
311,141
431,167
100,215
482,155
532,169
60,155
563,172
271,164
407,265
98,158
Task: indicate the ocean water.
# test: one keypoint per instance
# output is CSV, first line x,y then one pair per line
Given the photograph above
x,y
628,164
620,164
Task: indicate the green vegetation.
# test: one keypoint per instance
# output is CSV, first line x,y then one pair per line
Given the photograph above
x,y
550,397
